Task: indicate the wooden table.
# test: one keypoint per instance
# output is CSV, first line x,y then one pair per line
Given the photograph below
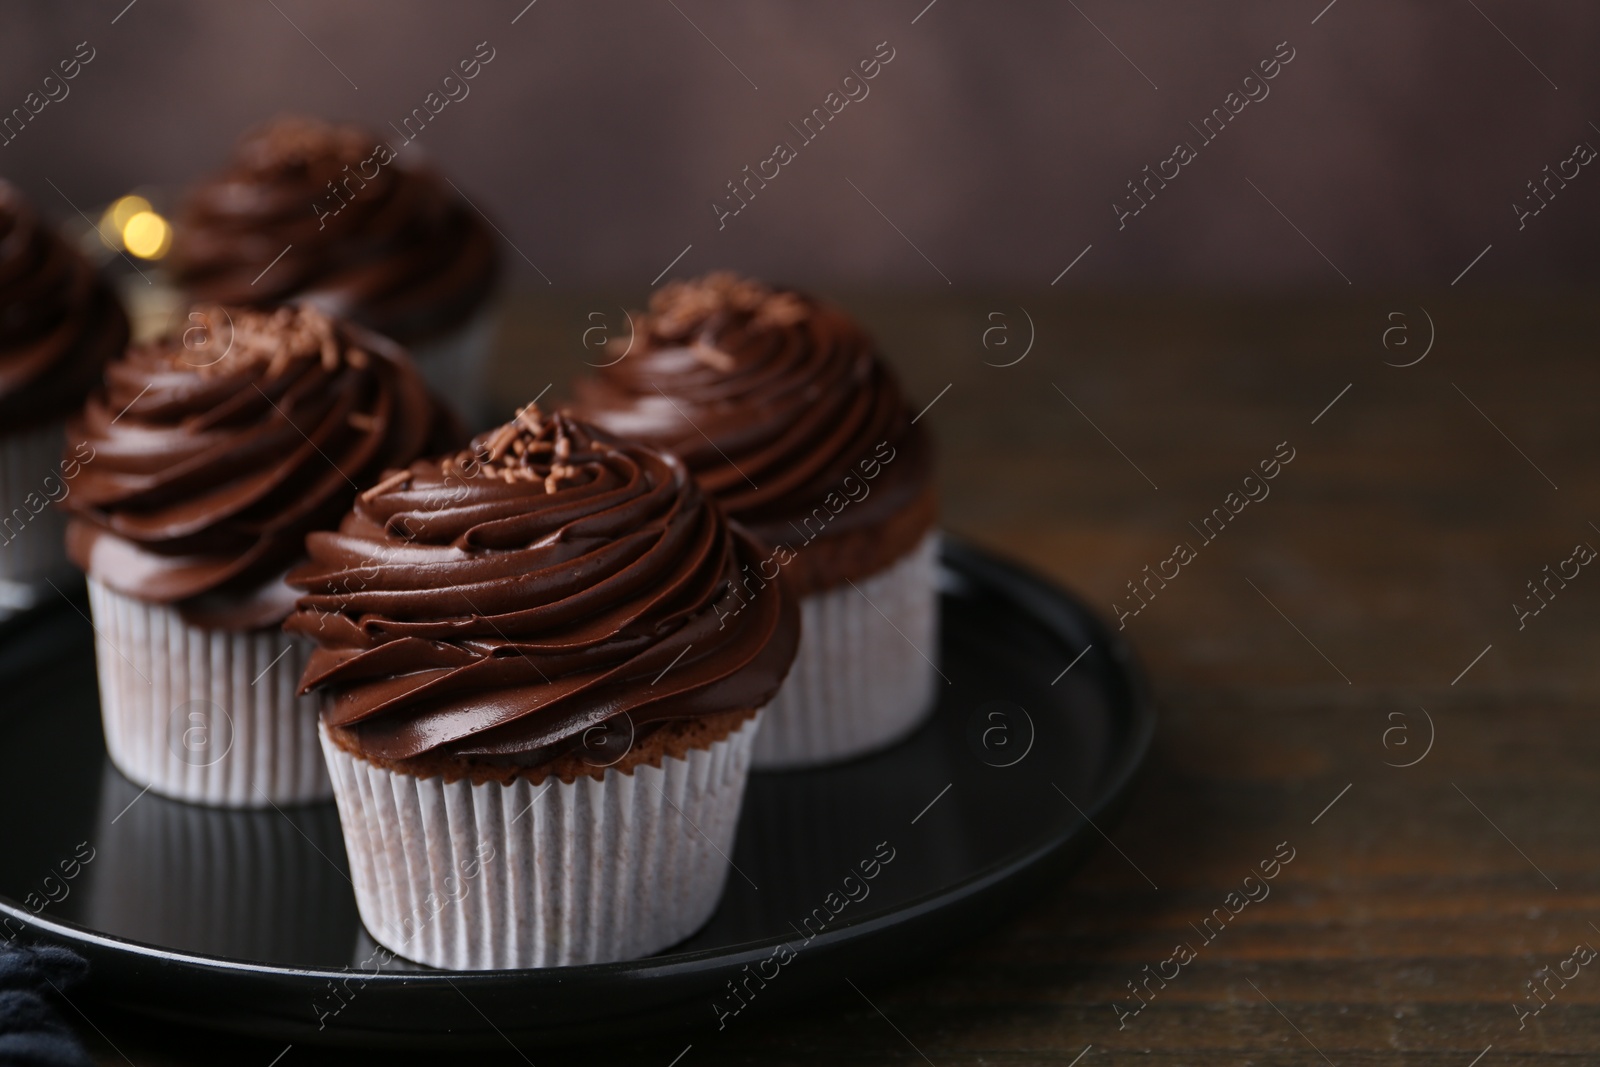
x,y
1298,658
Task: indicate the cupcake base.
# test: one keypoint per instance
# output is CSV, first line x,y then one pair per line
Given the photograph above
x,y
490,876
860,681
32,528
456,365
208,716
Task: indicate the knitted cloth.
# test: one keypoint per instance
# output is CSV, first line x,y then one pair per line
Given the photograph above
x,y
31,1032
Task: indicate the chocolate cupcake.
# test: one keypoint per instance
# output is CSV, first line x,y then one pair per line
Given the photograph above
x,y
783,410
311,212
216,452
59,324
544,661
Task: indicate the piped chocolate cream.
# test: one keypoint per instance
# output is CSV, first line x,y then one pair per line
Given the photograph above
x,y
480,613
325,214
780,405
60,322
216,451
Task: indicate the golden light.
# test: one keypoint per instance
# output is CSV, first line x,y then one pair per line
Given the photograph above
x,y
115,217
146,234
124,209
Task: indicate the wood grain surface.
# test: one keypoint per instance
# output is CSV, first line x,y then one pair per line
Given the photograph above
x,y
1298,658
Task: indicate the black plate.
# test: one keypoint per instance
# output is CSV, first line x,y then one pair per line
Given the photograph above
x,y
246,921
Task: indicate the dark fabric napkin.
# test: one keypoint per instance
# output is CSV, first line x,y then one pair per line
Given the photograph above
x,y
32,1033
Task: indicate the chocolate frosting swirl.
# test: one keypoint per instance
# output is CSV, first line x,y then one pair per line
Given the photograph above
x,y
214,454
385,245
499,603
771,396
59,320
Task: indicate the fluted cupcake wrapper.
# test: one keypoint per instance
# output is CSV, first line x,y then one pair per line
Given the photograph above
x,y
456,365
208,716
864,676
32,528
491,876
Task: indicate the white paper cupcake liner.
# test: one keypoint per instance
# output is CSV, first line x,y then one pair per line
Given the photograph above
x,y
208,716
456,365
491,876
864,676
32,528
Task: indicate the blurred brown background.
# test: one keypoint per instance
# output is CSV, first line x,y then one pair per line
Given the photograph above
x,y
997,138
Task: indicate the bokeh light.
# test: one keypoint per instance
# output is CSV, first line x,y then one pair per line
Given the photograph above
x,y
147,235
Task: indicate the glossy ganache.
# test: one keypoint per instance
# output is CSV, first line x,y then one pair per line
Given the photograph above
x,y
496,604
217,451
776,400
59,321
364,237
